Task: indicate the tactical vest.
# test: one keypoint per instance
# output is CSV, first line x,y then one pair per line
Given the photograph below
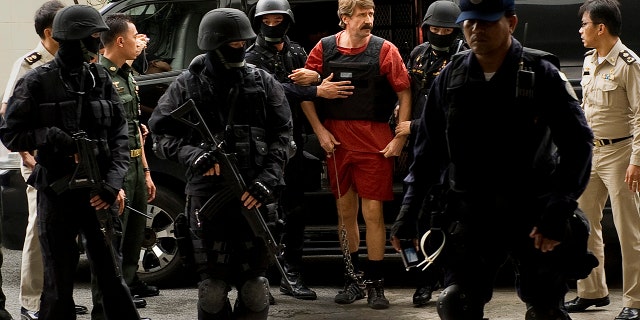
x,y
59,108
425,65
373,97
279,63
521,118
243,134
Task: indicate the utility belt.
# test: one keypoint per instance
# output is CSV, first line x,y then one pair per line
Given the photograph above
x,y
604,142
136,152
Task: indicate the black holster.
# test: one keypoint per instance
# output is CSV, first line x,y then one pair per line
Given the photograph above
x,y
184,240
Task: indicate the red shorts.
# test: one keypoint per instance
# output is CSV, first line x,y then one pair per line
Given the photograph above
x,y
370,174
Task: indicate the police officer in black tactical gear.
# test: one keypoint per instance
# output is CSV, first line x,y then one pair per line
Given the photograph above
x,y
50,104
246,108
274,52
504,130
425,63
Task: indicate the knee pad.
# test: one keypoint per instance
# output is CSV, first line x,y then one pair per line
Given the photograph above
x,y
254,294
455,304
534,313
212,295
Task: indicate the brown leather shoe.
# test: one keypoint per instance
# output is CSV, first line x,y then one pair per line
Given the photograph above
x,y
580,304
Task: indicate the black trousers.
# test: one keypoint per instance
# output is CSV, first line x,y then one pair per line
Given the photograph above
x,y
291,203
62,218
489,230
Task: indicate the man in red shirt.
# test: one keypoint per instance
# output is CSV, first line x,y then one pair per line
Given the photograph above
x,y
356,136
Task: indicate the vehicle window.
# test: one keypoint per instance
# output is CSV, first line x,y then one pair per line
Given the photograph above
x,y
172,28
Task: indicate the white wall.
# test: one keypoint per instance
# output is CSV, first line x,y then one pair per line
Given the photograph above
x,y
17,33
18,37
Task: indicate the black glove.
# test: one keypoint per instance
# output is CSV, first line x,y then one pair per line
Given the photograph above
x,y
61,140
260,192
406,224
106,192
555,220
576,258
203,163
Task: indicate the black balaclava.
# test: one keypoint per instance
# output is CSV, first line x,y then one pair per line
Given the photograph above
x,y
441,42
75,52
275,34
90,48
225,62
228,56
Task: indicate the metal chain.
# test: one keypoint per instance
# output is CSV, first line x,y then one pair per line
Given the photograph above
x,y
346,254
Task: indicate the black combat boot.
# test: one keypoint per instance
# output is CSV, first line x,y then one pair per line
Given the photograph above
x,y
298,289
375,294
422,295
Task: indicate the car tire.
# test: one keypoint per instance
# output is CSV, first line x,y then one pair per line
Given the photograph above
x,y
160,261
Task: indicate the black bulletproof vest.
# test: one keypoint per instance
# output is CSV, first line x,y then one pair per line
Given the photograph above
x,y
518,125
373,97
243,135
59,108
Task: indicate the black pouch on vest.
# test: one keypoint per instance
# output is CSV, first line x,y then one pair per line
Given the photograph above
x,y
242,138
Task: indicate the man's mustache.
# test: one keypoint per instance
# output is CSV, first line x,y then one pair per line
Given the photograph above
x,y
367,26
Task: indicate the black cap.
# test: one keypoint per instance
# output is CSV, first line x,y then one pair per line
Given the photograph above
x,y
486,10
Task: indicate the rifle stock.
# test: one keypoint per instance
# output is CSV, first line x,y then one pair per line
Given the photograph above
x,y
235,181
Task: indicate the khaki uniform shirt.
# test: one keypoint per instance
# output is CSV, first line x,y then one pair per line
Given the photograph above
x,y
37,57
611,95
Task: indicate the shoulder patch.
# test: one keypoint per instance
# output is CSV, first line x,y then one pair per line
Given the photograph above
x,y
627,57
590,52
32,58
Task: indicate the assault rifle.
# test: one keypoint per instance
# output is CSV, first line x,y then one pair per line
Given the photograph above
x,y
87,175
235,181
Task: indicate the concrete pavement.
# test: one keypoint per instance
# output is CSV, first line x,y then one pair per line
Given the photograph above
x,y
179,303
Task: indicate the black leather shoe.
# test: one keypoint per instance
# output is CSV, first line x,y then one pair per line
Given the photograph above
x,y
580,304
141,289
422,295
298,289
628,314
81,309
139,302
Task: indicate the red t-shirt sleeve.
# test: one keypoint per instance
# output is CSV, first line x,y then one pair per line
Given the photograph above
x,y
314,59
391,64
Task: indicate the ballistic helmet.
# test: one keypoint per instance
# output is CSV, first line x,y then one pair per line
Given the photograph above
x,y
77,22
223,25
264,7
442,13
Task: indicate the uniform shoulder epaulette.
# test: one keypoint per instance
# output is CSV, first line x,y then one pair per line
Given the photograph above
x,y
590,52
627,57
32,58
